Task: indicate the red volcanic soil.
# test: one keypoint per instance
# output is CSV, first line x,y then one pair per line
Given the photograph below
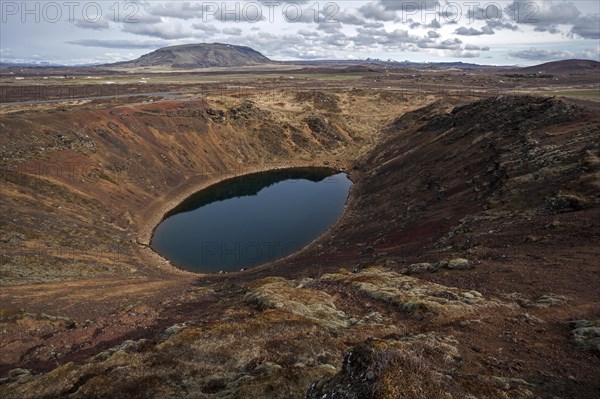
x,y
500,196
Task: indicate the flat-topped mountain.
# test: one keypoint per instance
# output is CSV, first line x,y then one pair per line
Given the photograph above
x,y
201,55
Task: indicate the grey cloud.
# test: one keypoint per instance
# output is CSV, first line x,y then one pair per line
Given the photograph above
x,y
122,44
144,18
464,54
338,40
409,4
284,1
493,15
295,15
374,25
475,13
271,42
435,24
464,31
224,11
550,29
365,38
164,30
472,47
544,15
448,44
376,11
207,29
487,30
324,39
294,46
396,39
250,17
587,27
349,17
399,36
175,9
559,13
329,27
533,54
491,12
304,54
100,25
308,33
232,31
498,25
449,16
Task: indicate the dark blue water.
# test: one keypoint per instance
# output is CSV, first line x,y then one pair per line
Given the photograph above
x,y
252,219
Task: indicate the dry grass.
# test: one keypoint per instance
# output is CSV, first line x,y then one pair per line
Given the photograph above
x,y
406,375
414,296
278,337
278,293
415,367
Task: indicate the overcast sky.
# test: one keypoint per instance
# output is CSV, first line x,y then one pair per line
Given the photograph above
x,y
522,32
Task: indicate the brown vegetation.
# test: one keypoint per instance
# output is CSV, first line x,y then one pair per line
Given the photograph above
x,y
464,266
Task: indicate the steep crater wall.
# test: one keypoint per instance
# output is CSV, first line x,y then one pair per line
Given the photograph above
x,y
83,188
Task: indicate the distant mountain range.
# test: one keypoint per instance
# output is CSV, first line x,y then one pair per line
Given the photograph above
x,y
204,55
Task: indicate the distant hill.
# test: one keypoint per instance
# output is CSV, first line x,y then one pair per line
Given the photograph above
x,y
204,55
201,55
564,66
